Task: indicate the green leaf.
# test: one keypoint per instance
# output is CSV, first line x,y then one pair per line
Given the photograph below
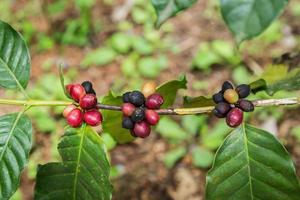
x,y
258,85
166,9
171,157
15,144
14,59
247,19
252,164
112,123
201,101
274,73
109,142
169,90
288,82
202,157
83,172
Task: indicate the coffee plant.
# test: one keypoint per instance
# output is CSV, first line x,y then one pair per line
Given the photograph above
x,y
251,164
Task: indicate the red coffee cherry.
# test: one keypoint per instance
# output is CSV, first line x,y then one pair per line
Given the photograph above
x,y
77,92
93,117
154,101
151,117
68,88
142,129
68,109
88,101
75,118
234,117
128,109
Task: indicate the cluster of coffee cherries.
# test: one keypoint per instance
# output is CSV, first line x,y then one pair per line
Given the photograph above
x,y
231,103
87,111
139,112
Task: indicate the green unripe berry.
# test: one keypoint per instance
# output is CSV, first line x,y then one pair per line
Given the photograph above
x,y
231,96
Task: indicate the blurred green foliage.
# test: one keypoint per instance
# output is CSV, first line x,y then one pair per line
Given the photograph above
x,y
193,137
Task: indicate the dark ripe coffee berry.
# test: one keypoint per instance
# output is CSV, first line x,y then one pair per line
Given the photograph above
x,y
151,117
226,85
231,96
93,117
219,115
128,109
154,101
222,108
125,97
245,105
88,87
127,123
218,97
138,115
234,117
243,90
136,98
77,92
142,129
75,118
68,109
88,101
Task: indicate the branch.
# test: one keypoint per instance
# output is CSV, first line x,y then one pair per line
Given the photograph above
x,y
167,111
209,109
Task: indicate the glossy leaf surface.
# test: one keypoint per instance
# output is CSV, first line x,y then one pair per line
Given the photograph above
x,y
14,58
252,165
83,172
15,144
